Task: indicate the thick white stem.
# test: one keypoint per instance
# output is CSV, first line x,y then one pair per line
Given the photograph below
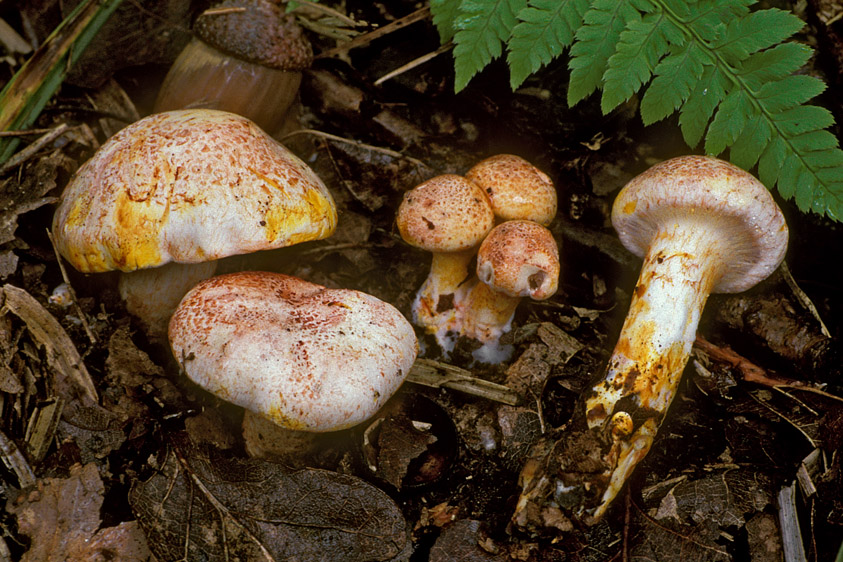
x,y
681,266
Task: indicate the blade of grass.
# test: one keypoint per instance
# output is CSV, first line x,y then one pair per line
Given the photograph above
x,y
29,90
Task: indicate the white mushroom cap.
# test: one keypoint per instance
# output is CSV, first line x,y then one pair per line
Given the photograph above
x,y
754,232
520,259
446,213
188,186
304,356
516,188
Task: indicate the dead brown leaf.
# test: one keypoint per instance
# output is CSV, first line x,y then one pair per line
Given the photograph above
x,y
195,507
61,516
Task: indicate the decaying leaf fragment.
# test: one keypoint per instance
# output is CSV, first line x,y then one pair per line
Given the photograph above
x,y
61,516
197,508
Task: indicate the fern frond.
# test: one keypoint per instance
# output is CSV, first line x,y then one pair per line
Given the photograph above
x,y
759,30
546,27
642,44
699,107
445,14
594,43
482,27
675,77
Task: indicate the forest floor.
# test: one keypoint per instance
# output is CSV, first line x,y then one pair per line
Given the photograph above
x,y
155,465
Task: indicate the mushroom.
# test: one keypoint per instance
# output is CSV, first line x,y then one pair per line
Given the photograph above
x,y
448,216
517,259
702,225
185,187
517,189
247,57
299,355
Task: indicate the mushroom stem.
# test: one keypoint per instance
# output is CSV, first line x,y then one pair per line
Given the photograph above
x,y
682,265
434,305
204,77
152,294
491,313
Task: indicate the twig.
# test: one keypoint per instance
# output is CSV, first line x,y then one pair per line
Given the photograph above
x,y
327,10
329,136
24,132
414,63
77,308
442,375
17,463
785,418
749,370
803,299
366,38
25,154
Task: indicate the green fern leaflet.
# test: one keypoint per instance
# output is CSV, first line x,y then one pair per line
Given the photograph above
x,y
731,73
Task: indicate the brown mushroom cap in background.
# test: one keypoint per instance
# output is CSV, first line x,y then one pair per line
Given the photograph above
x,y
188,186
257,31
304,356
753,230
446,213
517,189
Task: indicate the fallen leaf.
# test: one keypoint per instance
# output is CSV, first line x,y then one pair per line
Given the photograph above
x,y
461,542
234,509
61,516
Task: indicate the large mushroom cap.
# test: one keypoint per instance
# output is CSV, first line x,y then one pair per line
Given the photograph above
x,y
257,31
304,356
754,232
188,186
516,188
520,259
446,213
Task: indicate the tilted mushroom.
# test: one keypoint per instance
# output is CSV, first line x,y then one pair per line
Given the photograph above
x,y
305,357
185,187
247,57
448,216
516,189
517,259
702,225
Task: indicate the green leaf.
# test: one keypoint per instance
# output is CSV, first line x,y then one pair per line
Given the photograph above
x,y
482,27
728,122
445,13
700,106
594,43
802,119
749,146
789,91
545,28
759,30
676,75
772,64
642,44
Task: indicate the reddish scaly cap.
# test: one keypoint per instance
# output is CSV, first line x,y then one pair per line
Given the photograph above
x,y
753,233
520,259
517,189
302,355
445,214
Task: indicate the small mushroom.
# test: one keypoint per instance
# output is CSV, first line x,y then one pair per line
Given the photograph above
x,y
185,188
300,355
517,189
702,225
247,57
448,216
517,259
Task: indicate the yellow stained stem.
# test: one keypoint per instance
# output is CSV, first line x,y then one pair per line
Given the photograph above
x,y
435,305
681,266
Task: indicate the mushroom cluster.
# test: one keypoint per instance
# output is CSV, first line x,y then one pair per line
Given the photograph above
x,y
454,218
168,195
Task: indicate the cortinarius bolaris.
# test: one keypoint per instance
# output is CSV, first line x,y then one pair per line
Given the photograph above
x,y
448,216
247,58
182,188
303,356
516,189
702,225
518,258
